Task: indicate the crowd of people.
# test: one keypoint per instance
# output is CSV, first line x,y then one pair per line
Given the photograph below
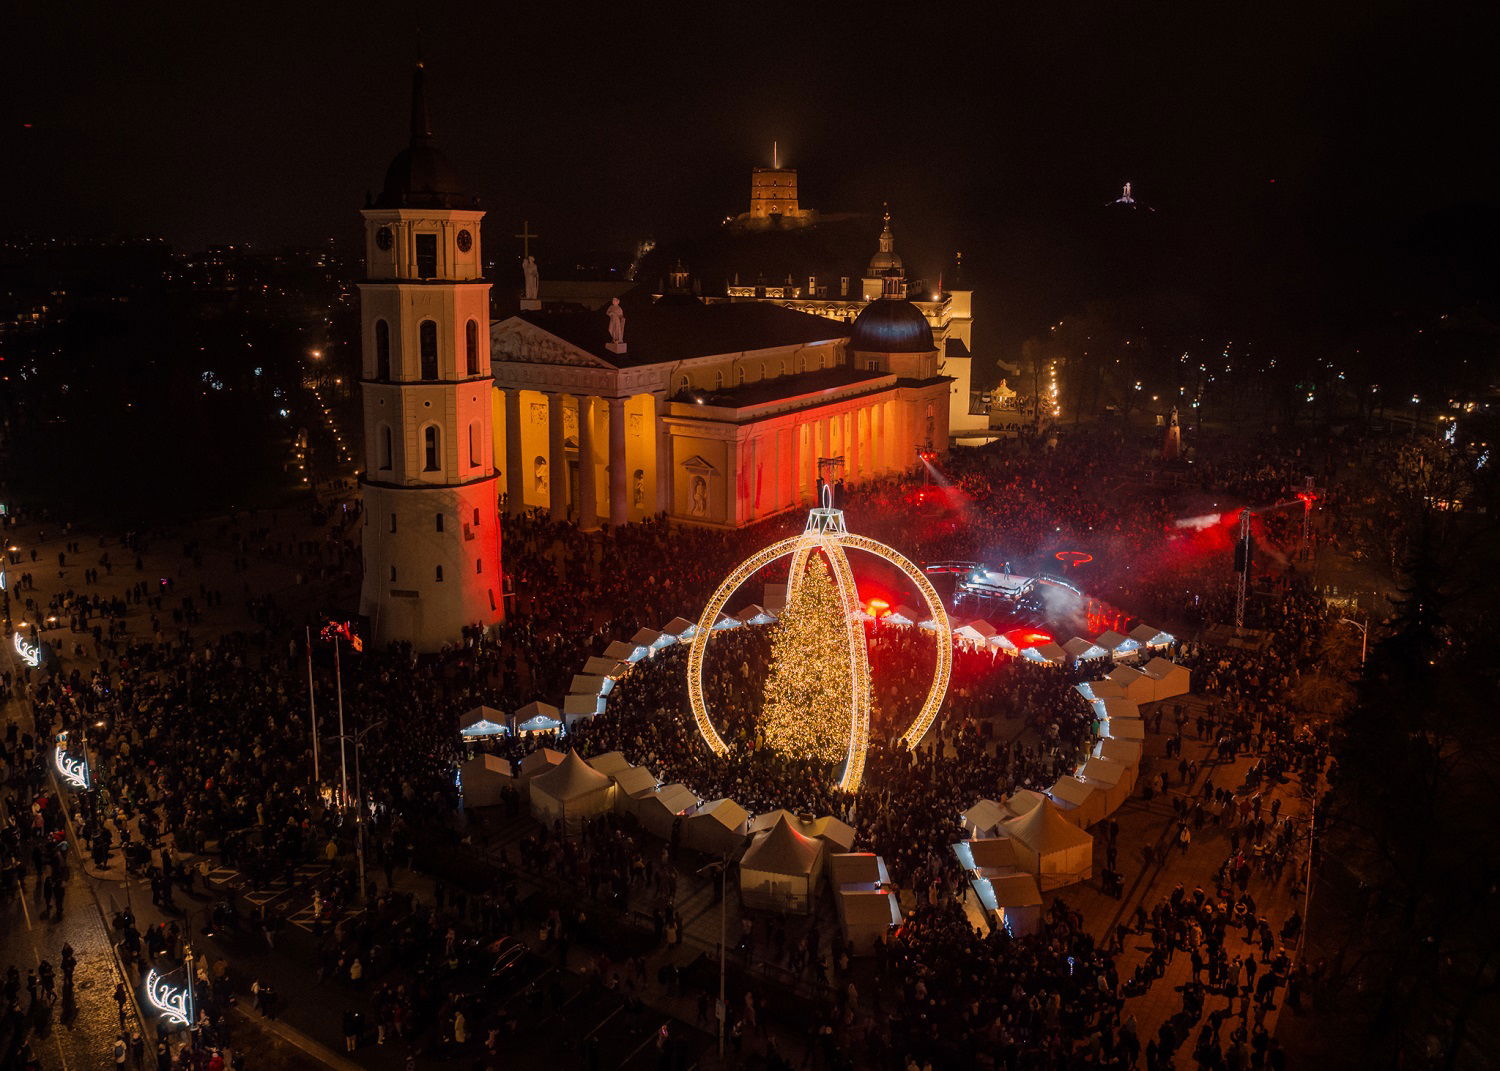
x,y
206,734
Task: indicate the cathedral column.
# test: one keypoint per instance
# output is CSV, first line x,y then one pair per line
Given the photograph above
x,y
663,455
618,477
588,494
515,475
851,451
557,457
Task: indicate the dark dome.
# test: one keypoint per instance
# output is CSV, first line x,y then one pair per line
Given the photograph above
x,y
891,325
421,177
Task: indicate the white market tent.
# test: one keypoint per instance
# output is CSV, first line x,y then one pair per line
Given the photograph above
x,y
1134,684
1019,902
755,615
1125,752
1171,679
867,915
1112,778
1116,708
482,780
631,782
581,706
482,721
1084,650
620,651
1023,801
781,871
901,615
650,639
982,818
993,853
1126,729
610,763
1077,801
680,629
538,717
658,811
600,666
1117,645
540,761
838,835
716,828
571,793
1105,689
1150,636
1049,653
589,684
1000,641
1051,847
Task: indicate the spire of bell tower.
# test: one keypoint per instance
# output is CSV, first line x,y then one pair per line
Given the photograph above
x,y
421,125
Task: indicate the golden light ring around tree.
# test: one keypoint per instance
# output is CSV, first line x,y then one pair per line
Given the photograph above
x,y
942,629
801,545
859,666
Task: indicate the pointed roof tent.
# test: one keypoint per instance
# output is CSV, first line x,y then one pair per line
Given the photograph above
x,y
571,779
782,850
1043,830
420,176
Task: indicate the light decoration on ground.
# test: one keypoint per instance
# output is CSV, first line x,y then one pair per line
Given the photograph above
x,y
31,653
825,532
171,1000
74,771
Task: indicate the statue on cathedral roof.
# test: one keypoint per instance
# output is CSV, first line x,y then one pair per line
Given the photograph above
x,y
616,322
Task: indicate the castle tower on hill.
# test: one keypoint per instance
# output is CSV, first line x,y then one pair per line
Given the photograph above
x,y
431,540
773,194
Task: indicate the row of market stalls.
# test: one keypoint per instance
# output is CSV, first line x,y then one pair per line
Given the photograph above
x,y
1034,842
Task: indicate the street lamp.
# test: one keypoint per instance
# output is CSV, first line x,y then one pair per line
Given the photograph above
x,y
1364,636
722,867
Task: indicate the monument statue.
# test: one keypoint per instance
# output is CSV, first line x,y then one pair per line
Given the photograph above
x,y
1172,420
638,488
616,322
533,283
542,484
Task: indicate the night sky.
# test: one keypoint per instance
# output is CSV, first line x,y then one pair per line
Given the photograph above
x,y
1308,160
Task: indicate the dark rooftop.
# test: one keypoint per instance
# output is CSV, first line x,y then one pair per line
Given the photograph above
x,y
658,333
769,390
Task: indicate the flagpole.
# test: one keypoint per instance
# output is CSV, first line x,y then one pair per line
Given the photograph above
x,y
338,676
312,706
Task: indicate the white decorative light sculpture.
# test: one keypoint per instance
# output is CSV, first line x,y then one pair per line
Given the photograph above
x,y
31,653
826,532
74,771
171,1000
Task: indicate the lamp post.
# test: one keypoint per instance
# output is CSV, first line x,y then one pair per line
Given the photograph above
x,y
722,867
1364,636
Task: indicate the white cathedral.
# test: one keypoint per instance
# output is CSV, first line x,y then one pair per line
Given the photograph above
x,y
708,413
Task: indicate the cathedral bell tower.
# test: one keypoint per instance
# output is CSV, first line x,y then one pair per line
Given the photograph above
x,y
431,537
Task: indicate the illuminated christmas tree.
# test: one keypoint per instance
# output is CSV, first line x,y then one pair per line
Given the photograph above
x,y
808,693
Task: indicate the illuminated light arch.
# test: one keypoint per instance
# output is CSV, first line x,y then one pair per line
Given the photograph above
x,y
825,531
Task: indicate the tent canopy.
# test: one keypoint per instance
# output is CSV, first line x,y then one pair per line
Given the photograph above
x,y
1044,831
620,651
535,709
635,780
600,666
1080,648
571,779
726,813
540,760
992,852
648,637
984,815
782,850
610,763
1103,771
855,868
1016,890
483,721
1150,636
679,628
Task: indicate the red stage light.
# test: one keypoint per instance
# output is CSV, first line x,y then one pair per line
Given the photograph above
x,y
1074,558
878,607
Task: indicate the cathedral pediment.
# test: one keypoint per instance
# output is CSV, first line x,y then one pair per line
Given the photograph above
x,y
518,342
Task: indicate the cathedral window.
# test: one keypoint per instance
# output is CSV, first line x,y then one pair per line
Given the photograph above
x,y
428,348
431,449
474,441
718,381
387,448
439,522
393,574
439,576
479,565
476,516
382,351
739,377
426,256
393,522
471,348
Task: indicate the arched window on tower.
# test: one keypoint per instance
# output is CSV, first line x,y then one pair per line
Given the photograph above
x,y
427,347
471,349
382,351
387,448
432,449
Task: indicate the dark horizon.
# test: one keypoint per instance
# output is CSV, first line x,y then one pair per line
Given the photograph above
x,y
1310,166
